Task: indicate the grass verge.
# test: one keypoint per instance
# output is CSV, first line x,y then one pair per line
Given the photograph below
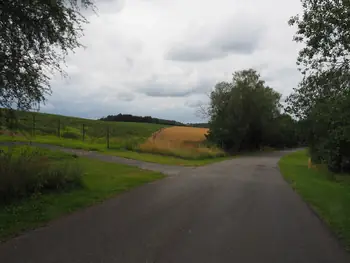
x,y
328,194
101,181
147,157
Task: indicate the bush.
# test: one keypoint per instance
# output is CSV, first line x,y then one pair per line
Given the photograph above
x,y
25,171
70,135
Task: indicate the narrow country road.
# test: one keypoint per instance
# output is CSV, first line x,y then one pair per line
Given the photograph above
x,y
240,210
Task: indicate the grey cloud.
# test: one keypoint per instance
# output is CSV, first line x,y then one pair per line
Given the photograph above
x,y
237,45
126,96
235,37
95,110
283,79
192,53
193,104
161,92
287,73
155,88
129,62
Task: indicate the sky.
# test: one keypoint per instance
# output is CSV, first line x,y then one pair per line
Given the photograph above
x,y
161,58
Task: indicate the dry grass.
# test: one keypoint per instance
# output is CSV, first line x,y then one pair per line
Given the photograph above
x,y
185,142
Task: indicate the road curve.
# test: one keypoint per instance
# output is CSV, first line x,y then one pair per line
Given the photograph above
x,y
239,210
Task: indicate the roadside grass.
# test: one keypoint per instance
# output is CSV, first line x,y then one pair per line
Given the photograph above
x,y
27,171
101,180
327,193
135,154
169,160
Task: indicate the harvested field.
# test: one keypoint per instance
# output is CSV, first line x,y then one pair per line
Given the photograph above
x,y
185,142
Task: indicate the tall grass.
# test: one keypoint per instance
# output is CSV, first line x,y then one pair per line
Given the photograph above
x,y
183,142
180,150
25,171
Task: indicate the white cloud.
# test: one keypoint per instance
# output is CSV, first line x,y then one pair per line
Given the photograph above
x,y
160,57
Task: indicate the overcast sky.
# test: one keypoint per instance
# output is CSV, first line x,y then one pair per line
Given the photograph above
x,y
161,57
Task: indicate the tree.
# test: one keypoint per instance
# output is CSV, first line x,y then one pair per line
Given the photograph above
x,y
324,28
35,37
323,96
242,112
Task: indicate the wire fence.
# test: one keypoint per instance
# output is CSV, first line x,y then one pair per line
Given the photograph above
x,y
33,125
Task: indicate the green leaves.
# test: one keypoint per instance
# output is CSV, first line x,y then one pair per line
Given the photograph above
x,y
244,114
324,28
35,37
323,97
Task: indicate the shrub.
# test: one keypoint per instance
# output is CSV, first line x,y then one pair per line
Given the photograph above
x,y
70,135
65,175
25,171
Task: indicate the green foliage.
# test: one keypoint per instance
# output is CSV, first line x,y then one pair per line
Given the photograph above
x,y
245,115
323,97
71,133
327,193
35,38
323,28
101,181
25,171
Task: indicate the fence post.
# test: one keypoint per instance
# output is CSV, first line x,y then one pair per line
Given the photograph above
x,y
107,137
33,126
59,128
83,132
1,118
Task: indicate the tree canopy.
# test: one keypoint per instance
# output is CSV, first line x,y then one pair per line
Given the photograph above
x,y
245,114
35,37
322,98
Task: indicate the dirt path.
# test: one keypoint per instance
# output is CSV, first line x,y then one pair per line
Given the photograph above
x,y
240,210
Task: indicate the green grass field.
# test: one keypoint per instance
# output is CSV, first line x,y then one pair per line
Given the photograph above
x,y
101,181
124,137
328,194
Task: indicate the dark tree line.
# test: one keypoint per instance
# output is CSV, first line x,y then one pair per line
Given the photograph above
x,y
199,125
145,119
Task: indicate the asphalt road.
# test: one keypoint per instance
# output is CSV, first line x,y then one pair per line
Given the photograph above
x,y
239,210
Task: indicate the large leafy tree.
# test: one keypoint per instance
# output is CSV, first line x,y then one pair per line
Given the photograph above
x,y
242,112
323,28
322,97
35,37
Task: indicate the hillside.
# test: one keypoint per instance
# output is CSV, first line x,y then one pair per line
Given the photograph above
x,y
177,145
121,134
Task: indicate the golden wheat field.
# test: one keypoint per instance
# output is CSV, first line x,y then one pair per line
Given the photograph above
x,y
186,142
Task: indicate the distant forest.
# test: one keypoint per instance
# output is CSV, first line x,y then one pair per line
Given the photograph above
x,y
199,125
147,119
